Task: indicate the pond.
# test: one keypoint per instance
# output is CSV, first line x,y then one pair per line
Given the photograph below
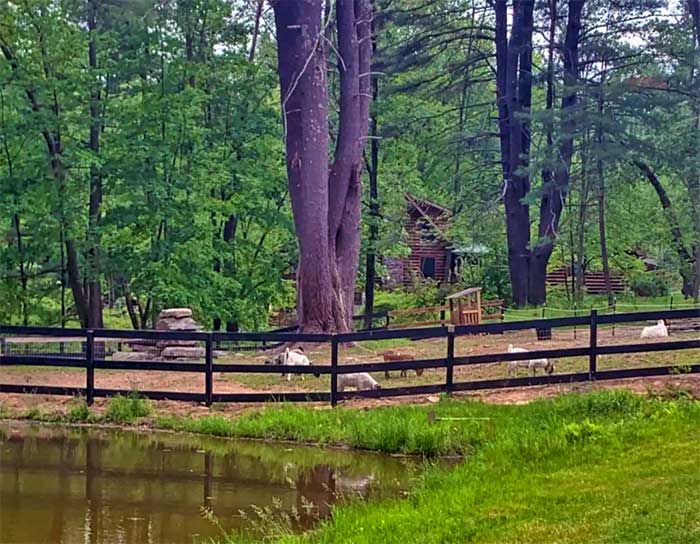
x,y
75,484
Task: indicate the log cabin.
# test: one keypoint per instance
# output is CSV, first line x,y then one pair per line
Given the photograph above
x,y
431,254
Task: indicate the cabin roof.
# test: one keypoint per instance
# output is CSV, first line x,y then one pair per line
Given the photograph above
x,y
420,206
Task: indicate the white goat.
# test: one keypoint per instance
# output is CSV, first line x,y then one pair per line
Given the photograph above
x,y
294,357
657,331
531,364
360,380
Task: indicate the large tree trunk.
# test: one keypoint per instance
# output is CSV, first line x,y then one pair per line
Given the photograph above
x,y
554,193
325,202
514,85
94,291
302,72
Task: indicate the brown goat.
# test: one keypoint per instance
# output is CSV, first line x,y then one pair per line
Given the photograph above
x,y
393,355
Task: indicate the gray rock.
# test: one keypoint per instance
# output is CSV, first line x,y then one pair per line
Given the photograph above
x,y
177,313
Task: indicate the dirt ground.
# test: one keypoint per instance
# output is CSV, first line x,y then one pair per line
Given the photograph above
x,y
370,352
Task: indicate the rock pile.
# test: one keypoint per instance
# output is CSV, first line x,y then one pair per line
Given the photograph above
x,y
172,319
178,319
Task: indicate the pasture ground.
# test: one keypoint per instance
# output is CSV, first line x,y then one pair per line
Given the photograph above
x,y
370,351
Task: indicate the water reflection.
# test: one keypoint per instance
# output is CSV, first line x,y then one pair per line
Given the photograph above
x,y
67,485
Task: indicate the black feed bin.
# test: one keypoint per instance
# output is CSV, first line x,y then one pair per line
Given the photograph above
x,y
544,334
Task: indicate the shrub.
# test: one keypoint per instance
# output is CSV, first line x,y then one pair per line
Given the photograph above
x,y
648,285
78,411
124,409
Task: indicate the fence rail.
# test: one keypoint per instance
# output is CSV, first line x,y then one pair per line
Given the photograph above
x,y
93,359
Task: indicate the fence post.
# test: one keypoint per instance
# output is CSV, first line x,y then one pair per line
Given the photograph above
x,y
449,378
209,370
575,315
593,349
388,318
90,367
614,309
334,371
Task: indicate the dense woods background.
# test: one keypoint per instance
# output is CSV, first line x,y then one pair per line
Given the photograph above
x,y
142,148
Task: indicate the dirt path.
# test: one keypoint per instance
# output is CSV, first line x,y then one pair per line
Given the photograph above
x,y
187,382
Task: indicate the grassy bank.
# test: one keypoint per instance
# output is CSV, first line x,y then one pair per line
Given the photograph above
x,y
601,467
604,467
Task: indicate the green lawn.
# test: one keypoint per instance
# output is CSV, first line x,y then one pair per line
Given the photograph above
x,y
605,467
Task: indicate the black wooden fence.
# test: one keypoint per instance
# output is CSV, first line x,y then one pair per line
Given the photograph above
x,y
93,359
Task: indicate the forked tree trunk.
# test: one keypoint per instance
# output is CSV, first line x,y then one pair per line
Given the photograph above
x,y
554,193
325,200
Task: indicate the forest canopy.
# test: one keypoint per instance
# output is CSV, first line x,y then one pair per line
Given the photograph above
x,y
148,148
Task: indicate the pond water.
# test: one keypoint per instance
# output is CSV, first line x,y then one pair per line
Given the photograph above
x,y
69,484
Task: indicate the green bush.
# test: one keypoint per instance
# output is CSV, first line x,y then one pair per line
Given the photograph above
x,y
125,409
648,285
78,411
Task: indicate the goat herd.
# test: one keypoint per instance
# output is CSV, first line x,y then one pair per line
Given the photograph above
x,y
362,380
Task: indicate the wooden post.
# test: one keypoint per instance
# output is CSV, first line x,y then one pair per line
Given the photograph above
x,y
449,378
90,367
478,307
209,371
575,316
614,310
334,371
593,349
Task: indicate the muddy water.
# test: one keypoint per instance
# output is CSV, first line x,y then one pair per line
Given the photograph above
x,y
70,485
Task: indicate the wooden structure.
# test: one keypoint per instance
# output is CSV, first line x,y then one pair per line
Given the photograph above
x,y
431,250
465,307
594,282
93,361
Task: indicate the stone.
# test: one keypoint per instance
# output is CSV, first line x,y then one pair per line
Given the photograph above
x,y
177,313
131,356
181,324
181,352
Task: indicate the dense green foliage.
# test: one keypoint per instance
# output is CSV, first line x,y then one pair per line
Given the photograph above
x,y
194,207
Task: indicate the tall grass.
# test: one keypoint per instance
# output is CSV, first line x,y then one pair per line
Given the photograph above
x,y
126,409
602,467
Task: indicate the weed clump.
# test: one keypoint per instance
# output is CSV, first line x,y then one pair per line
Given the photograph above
x,y
125,409
78,411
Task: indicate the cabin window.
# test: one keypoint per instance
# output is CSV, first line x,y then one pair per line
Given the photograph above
x,y
427,267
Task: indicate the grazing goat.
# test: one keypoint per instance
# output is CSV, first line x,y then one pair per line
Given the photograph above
x,y
396,356
293,357
360,380
531,364
657,331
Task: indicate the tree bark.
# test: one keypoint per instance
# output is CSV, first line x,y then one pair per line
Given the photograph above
x,y
325,201
304,99
514,86
554,194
